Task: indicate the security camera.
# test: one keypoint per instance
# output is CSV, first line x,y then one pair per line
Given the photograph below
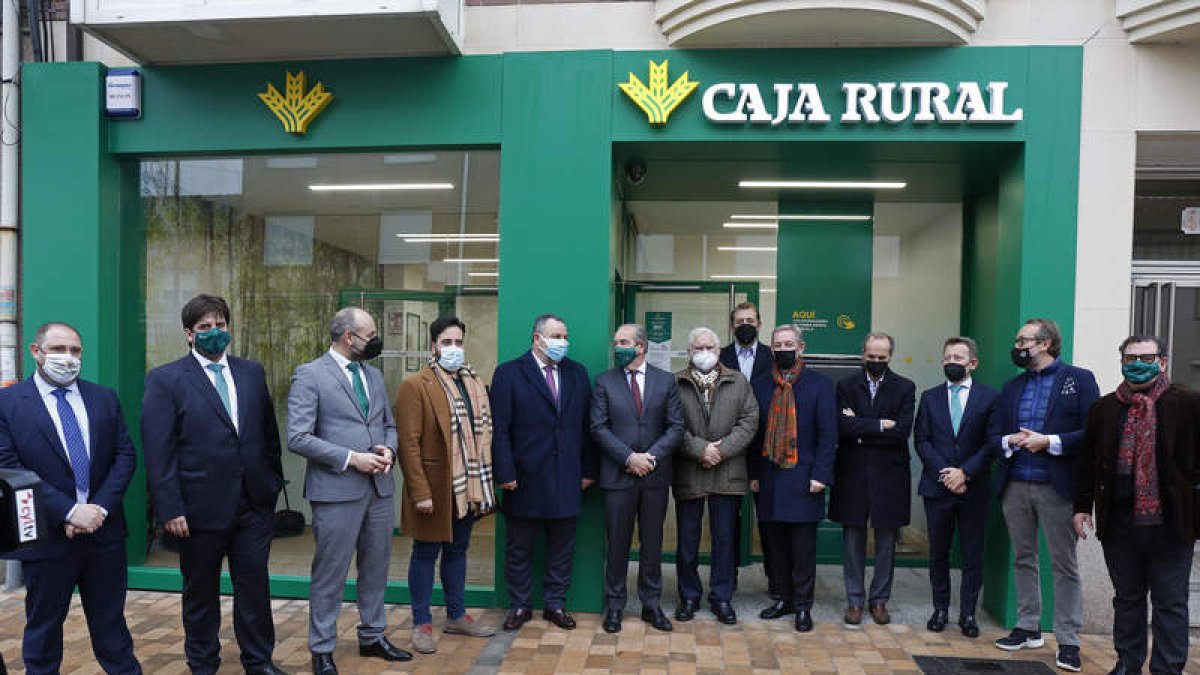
x,y
635,172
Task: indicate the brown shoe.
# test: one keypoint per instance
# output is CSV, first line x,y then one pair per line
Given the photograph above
x,y
468,626
853,615
880,614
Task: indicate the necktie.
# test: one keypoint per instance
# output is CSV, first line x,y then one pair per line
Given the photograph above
x,y
360,391
745,352
76,449
222,388
637,393
956,408
874,388
550,383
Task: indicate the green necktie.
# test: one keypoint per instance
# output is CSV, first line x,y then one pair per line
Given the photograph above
x,y
360,391
956,408
222,388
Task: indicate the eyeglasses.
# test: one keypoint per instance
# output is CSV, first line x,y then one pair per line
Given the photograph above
x,y
1025,341
1144,358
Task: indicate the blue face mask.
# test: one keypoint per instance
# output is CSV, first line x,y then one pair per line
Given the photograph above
x,y
1140,372
555,348
212,341
450,358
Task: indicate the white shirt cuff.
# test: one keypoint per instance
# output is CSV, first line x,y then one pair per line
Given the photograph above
x,y
71,513
346,465
1008,449
1055,446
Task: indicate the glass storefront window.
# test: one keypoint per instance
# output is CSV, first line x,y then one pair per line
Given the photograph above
x,y
409,236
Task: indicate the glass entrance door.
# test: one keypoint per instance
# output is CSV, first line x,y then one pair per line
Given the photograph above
x,y
1166,303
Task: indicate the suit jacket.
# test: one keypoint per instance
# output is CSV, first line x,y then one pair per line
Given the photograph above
x,y
783,494
872,473
197,463
763,361
325,423
541,444
1177,450
939,447
1072,393
29,440
618,431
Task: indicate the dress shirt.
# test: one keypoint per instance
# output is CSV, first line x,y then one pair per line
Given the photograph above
x,y
745,356
963,394
641,385
75,400
557,375
227,374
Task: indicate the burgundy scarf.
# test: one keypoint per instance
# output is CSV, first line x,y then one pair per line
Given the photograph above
x,y
1136,456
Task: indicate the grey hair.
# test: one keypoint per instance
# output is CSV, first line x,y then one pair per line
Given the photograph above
x,y
539,324
791,327
639,332
39,337
346,319
702,330
876,335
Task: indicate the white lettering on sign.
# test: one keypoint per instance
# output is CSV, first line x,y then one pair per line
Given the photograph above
x,y
865,103
26,516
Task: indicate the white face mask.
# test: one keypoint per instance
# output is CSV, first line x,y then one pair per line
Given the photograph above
x,y
61,369
450,358
704,361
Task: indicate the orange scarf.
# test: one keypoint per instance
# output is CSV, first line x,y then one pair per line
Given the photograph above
x,y
779,440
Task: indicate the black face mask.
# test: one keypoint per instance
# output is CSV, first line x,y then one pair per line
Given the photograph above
x,y
373,348
746,333
955,372
875,369
1021,358
785,359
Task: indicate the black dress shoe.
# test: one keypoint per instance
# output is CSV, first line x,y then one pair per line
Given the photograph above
x,y
516,618
686,611
560,618
384,650
322,664
969,627
269,669
804,622
1122,670
657,619
937,622
780,608
612,621
724,612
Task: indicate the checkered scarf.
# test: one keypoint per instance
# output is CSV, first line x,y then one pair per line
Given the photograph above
x,y
474,492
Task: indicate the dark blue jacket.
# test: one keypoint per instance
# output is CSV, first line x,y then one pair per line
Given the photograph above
x,y
939,447
783,494
617,430
1073,392
29,440
541,445
197,463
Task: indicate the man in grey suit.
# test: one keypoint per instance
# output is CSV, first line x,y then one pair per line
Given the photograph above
x,y
340,420
637,423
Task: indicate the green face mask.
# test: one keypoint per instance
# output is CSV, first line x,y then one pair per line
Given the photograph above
x,y
1139,372
624,355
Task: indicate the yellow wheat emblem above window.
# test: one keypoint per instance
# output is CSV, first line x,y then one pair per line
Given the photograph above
x,y
297,108
658,100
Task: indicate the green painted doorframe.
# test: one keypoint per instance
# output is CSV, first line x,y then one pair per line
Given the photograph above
x,y
555,116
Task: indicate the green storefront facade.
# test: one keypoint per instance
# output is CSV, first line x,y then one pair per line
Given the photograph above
x,y
560,124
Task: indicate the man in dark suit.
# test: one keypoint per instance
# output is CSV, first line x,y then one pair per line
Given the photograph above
x,y
1137,467
637,423
213,466
872,482
954,424
540,406
72,434
1041,414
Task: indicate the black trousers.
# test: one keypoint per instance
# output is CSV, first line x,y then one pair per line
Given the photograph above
x,y
793,556
1154,559
247,545
967,514
647,508
522,536
722,516
768,571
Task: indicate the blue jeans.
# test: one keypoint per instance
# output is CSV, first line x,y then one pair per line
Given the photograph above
x,y
454,573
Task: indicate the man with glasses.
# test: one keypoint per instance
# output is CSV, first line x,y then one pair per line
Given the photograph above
x,y
1140,445
1041,414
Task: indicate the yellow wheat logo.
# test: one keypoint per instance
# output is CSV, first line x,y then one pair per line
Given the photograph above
x,y
298,108
658,101
845,322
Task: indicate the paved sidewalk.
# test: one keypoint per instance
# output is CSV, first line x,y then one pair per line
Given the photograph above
x,y
701,647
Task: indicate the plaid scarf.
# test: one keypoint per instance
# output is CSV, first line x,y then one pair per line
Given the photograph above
x,y
707,382
471,453
779,440
1136,455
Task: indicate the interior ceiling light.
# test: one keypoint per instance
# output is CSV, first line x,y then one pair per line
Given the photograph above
x,y
823,184
766,290
751,226
742,276
373,187
803,216
468,261
419,238
483,274
410,158
756,249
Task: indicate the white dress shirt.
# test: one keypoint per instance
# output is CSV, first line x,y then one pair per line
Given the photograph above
x,y
554,369
227,375
75,400
640,379
362,371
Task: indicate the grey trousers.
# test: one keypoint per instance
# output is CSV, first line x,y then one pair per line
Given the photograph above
x,y
1026,505
854,563
340,530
